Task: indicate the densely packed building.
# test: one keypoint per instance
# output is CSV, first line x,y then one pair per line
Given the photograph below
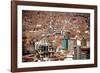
x,y
53,36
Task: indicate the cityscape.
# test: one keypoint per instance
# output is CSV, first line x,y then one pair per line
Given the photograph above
x,y
55,36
